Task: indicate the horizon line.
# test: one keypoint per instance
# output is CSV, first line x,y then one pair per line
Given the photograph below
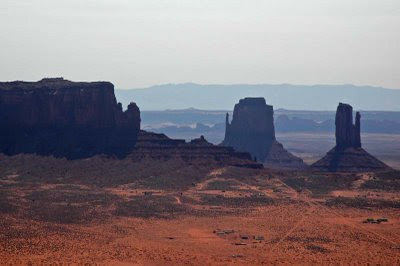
x,y
258,84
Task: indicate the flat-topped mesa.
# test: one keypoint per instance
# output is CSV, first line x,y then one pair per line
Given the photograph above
x,y
63,118
347,133
252,130
253,116
252,127
59,102
347,155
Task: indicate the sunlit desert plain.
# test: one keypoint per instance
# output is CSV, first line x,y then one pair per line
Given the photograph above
x,y
104,210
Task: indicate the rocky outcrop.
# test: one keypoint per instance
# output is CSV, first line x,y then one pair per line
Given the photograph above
x,y
198,151
347,155
347,134
278,157
65,119
252,130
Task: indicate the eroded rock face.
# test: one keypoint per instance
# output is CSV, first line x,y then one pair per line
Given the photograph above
x,y
196,152
347,133
65,119
252,130
347,155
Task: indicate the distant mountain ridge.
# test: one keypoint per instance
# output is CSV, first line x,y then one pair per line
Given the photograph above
x,y
295,97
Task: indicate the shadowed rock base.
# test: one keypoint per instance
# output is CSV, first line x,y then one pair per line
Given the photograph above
x,y
159,147
347,155
349,160
279,158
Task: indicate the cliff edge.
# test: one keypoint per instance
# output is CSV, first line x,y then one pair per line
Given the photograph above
x,y
65,119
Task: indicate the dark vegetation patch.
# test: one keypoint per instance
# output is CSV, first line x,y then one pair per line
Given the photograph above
x,y
322,184
246,175
210,210
61,213
5,202
316,248
236,202
174,177
389,175
150,207
308,239
12,185
362,203
189,200
102,171
18,233
72,187
219,212
388,181
68,207
70,197
223,185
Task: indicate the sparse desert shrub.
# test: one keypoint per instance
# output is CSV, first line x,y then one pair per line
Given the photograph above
x,y
361,203
68,197
5,203
321,184
78,206
315,248
388,181
388,175
150,207
61,213
101,171
308,239
222,185
236,202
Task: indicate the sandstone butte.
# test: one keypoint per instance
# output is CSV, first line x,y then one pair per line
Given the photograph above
x,y
252,130
348,154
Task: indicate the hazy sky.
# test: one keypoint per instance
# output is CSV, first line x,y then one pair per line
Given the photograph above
x,y
137,43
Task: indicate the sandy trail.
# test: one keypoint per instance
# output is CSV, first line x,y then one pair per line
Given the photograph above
x,y
295,227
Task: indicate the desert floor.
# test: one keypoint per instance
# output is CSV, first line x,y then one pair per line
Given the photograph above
x,y
230,216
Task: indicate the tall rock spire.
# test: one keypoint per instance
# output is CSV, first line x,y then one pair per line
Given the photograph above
x,y
357,131
226,124
347,134
347,155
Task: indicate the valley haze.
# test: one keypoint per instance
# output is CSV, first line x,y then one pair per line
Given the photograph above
x,y
295,97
